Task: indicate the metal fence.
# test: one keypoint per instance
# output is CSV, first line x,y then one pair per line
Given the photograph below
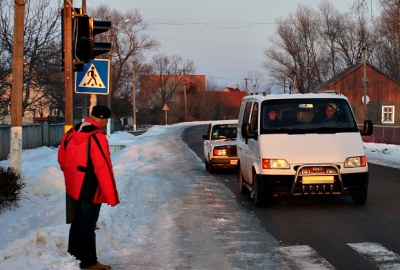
x,y
33,136
38,135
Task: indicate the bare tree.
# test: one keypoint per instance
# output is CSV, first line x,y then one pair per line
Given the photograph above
x,y
169,70
42,54
294,53
212,85
387,54
312,46
256,80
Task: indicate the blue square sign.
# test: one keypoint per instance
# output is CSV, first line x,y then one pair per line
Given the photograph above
x,y
94,78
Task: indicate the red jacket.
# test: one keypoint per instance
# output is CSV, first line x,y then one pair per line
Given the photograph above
x,y
83,181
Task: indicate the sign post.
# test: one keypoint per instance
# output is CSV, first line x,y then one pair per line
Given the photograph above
x,y
166,109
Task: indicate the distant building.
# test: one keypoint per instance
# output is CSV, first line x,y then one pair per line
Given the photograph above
x,y
157,91
231,89
231,101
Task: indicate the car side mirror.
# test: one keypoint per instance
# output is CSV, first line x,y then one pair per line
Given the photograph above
x,y
368,128
205,137
246,131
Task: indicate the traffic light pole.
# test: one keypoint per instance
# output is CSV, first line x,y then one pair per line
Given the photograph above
x,y
68,64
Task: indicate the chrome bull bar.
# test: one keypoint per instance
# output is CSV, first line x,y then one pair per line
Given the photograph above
x,y
317,170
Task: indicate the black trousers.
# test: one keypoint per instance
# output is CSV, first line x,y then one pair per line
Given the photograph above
x,y
82,236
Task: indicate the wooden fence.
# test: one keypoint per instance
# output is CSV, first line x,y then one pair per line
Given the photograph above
x,y
384,134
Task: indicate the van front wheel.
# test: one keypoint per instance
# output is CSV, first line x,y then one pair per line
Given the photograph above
x,y
360,196
256,192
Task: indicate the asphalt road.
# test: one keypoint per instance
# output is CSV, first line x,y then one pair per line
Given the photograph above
x,y
326,223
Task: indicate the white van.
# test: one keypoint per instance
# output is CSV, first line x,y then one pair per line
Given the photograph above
x,y
302,151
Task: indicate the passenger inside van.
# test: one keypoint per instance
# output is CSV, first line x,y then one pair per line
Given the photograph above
x,y
289,118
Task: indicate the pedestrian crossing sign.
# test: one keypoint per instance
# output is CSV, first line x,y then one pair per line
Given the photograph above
x,y
94,77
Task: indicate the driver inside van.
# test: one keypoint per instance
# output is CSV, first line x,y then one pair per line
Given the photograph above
x,y
273,120
327,114
330,112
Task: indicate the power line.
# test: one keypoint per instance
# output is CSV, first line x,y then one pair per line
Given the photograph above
x,y
211,25
210,44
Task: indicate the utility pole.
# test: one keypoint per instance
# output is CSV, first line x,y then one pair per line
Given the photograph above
x,y
365,81
134,94
294,82
284,85
246,83
68,80
68,64
17,84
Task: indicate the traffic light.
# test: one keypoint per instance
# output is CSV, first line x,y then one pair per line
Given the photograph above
x,y
81,39
85,46
98,27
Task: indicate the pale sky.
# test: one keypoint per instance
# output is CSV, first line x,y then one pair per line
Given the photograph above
x,y
225,38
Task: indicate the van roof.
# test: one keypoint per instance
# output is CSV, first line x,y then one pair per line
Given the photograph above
x,y
294,96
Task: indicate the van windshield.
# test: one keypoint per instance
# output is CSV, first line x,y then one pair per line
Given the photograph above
x,y
298,116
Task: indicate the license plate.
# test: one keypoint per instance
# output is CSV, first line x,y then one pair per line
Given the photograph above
x,y
233,162
318,179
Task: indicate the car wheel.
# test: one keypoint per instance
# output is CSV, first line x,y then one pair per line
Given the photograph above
x,y
256,192
242,188
360,196
210,168
207,164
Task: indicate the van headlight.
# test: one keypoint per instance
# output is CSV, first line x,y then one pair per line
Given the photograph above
x,y
352,162
274,164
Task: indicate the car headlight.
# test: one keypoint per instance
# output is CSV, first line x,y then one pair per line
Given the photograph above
x,y
352,162
219,152
274,164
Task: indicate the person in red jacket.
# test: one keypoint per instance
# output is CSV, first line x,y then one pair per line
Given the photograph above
x,y
84,158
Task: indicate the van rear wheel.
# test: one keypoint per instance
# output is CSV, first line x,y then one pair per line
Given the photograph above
x,y
243,190
360,196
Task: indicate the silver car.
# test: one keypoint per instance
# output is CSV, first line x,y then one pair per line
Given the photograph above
x,y
220,148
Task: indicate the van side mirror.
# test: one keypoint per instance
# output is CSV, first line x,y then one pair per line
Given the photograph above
x,y
246,132
368,128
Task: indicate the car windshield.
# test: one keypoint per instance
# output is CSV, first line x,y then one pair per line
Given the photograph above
x,y
296,116
224,132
